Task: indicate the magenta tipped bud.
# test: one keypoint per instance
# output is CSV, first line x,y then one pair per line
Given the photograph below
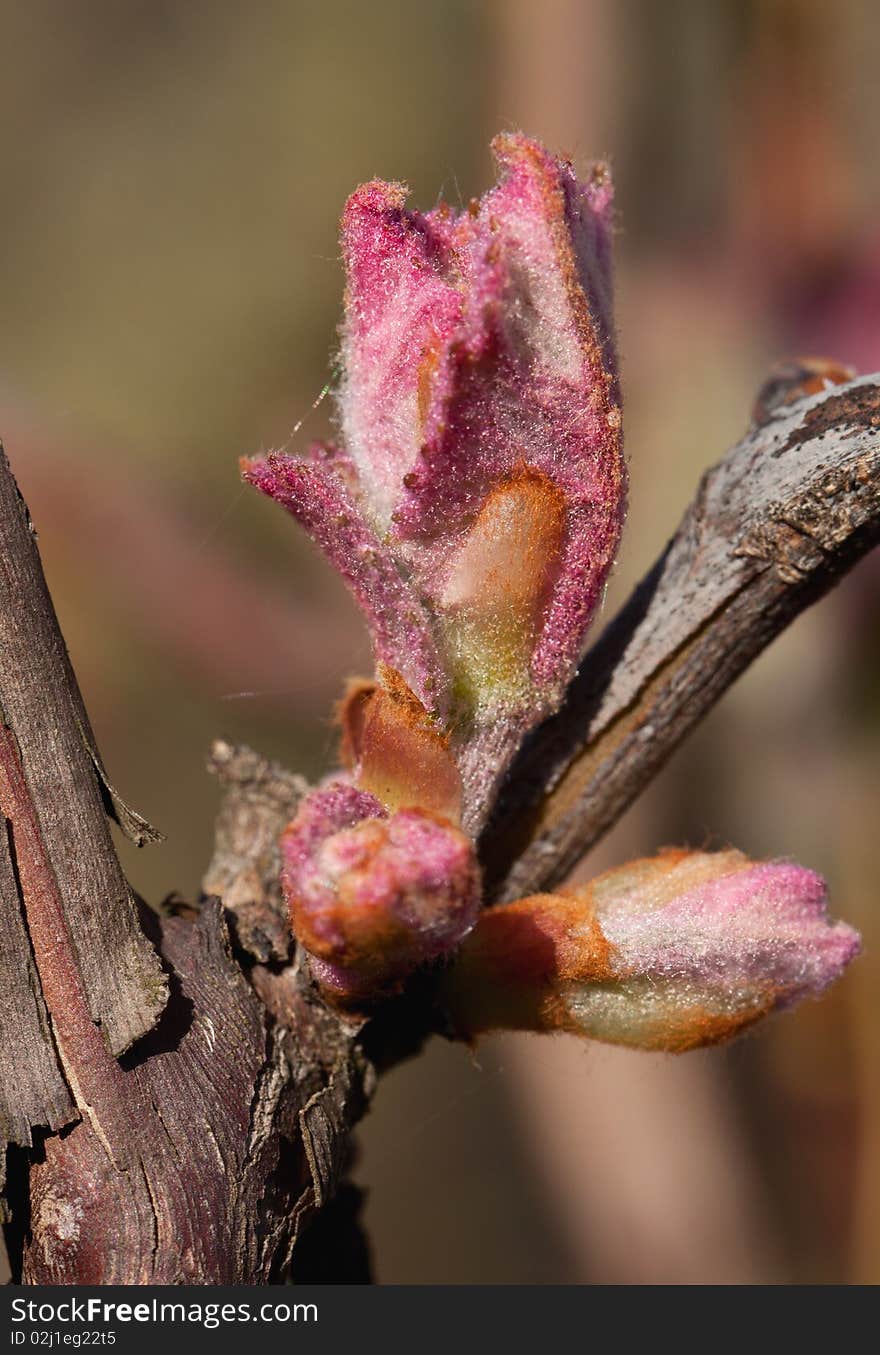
x,y
672,952
372,896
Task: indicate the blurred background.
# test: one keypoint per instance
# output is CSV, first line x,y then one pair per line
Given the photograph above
x,y
172,179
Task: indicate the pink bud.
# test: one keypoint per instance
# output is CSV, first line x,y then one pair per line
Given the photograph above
x,y
477,507
679,950
372,897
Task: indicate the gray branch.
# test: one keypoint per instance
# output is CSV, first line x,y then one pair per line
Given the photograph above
x,y
772,527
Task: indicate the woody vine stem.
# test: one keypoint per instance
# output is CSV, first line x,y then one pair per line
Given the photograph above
x,y
178,1089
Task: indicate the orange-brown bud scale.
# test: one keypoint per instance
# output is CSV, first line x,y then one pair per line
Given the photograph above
x,y
395,749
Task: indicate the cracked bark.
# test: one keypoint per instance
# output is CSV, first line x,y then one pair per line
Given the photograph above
x,y
201,1132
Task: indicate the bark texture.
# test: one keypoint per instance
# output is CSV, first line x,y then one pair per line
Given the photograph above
x,y
205,1096
201,1154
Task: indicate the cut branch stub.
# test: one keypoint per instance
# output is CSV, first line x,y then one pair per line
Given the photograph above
x,y
772,527
47,736
40,702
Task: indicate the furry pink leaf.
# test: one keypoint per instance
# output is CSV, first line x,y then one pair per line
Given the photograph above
x,y
483,476
315,492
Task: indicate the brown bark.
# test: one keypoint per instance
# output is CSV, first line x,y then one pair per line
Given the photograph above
x,y
195,1156
199,1154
